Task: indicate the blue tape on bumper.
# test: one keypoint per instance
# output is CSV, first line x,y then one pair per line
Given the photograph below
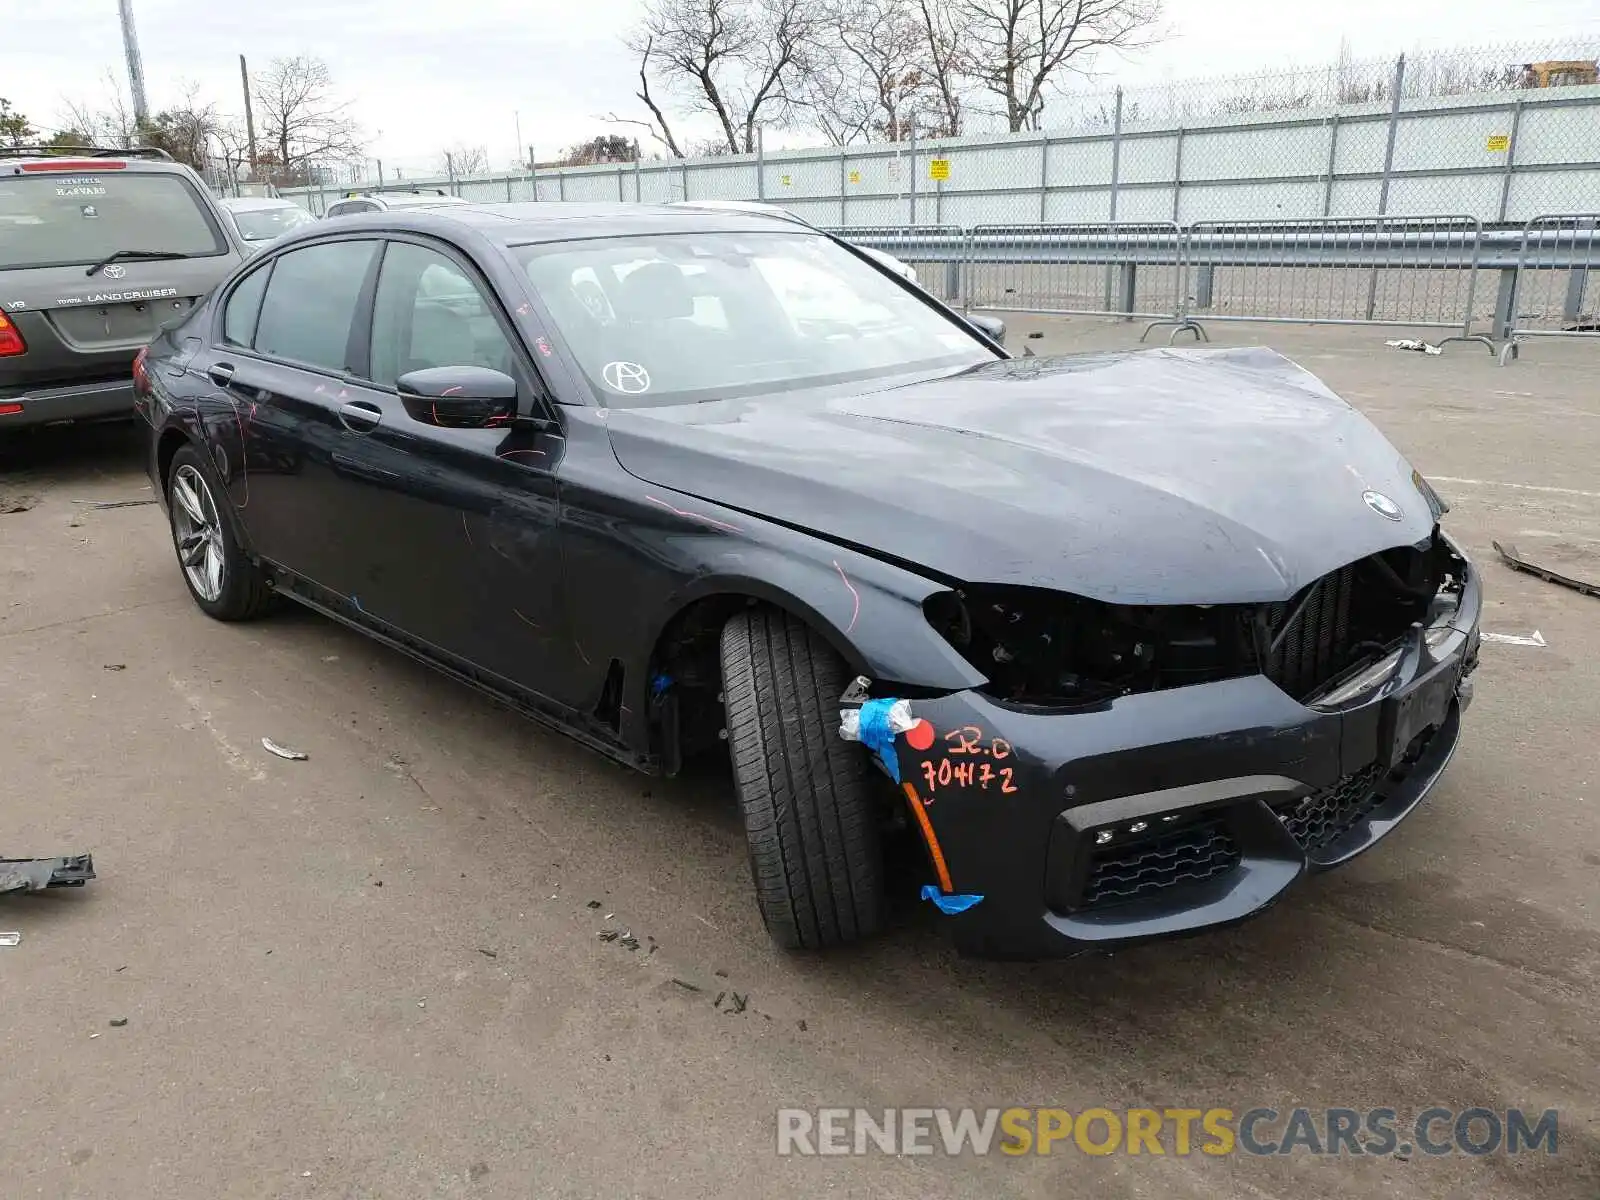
x,y
877,736
949,905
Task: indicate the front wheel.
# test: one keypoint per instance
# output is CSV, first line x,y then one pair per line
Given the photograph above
x,y
223,580
810,812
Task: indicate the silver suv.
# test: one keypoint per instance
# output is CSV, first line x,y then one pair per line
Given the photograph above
x,y
360,202
98,250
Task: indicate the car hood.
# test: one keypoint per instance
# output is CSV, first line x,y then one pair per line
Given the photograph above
x,y
1151,477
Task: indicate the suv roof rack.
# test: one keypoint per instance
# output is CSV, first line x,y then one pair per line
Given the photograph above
x,y
42,151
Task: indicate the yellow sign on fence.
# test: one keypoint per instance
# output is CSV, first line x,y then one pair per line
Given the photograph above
x,y
786,180
938,168
1499,141
855,176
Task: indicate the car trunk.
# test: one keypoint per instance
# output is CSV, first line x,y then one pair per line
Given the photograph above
x,y
79,327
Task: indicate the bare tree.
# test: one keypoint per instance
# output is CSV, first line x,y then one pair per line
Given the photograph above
x,y
1020,48
738,61
464,160
301,119
659,129
945,56
872,79
110,122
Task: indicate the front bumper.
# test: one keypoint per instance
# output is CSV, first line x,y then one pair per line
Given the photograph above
x,y
1172,811
90,401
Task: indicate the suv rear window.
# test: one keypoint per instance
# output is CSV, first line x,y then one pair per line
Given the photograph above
x,y
51,219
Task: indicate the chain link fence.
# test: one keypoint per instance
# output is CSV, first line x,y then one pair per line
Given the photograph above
x,y
1500,133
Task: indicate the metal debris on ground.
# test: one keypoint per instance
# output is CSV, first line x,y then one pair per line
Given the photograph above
x,y
36,874
272,747
592,904
717,1003
1516,562
631,942
609,935
116,503
1413,344
686,985
10,939
487,953
738,1003
118,1022
115,667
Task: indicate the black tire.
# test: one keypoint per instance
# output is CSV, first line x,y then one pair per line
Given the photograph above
x,y
808,796
244,593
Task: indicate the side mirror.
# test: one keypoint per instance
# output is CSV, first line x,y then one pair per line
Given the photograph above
x,y
993,327
461,397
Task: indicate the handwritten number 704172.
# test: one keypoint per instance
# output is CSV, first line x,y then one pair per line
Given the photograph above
x,y
970,760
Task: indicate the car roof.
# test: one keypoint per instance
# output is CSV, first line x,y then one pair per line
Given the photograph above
x,y
252,203
529,223
403,199
28,160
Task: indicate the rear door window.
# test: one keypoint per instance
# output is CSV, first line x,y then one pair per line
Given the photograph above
x,y
57,218
311,304
243,307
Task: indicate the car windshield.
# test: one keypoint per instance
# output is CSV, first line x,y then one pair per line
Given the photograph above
x,y
264,224
676,317
64,219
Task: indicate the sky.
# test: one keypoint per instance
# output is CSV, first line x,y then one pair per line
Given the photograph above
x,y
424,75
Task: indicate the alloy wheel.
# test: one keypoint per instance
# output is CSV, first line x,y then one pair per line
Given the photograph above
x,y
197,531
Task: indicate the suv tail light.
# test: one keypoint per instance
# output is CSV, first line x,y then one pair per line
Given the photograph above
x,y
11,343
141,375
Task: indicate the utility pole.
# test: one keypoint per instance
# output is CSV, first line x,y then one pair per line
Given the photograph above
x,y
130,46
249,115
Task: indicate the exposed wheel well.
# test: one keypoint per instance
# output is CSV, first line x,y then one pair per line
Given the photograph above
x,y
686,671
169,445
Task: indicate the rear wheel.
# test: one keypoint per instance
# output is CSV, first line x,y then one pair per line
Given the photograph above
x,y
808,796
223,580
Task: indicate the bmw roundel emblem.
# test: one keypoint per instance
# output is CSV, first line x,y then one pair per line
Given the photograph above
x,y
1382,505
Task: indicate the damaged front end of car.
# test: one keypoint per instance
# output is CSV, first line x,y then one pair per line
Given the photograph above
x,y
1130,771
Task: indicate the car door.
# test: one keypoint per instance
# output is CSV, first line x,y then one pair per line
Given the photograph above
x,y
450,532
282,360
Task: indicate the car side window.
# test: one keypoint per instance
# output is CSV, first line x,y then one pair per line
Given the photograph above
x,y
429,313
243,307
311,303
351,206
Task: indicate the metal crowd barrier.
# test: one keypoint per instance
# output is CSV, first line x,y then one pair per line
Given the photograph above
x,y
1419,272
1550,288
1112,269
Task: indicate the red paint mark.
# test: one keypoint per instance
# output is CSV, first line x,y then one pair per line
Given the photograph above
x,y
856,596
920,735
525,620
544,346
452,391
694,516
523,310
435,409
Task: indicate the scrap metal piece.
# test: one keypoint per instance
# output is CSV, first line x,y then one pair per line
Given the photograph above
x,y
36,874
283,751
10,939
1508,554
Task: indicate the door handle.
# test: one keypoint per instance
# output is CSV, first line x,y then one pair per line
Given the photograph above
x,y
220,374
359,416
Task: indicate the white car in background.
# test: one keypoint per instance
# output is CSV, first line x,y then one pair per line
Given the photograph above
x,y
901,269
262,219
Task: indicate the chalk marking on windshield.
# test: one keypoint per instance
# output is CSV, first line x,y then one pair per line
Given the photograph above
x,y
854,595
628,378
694,516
